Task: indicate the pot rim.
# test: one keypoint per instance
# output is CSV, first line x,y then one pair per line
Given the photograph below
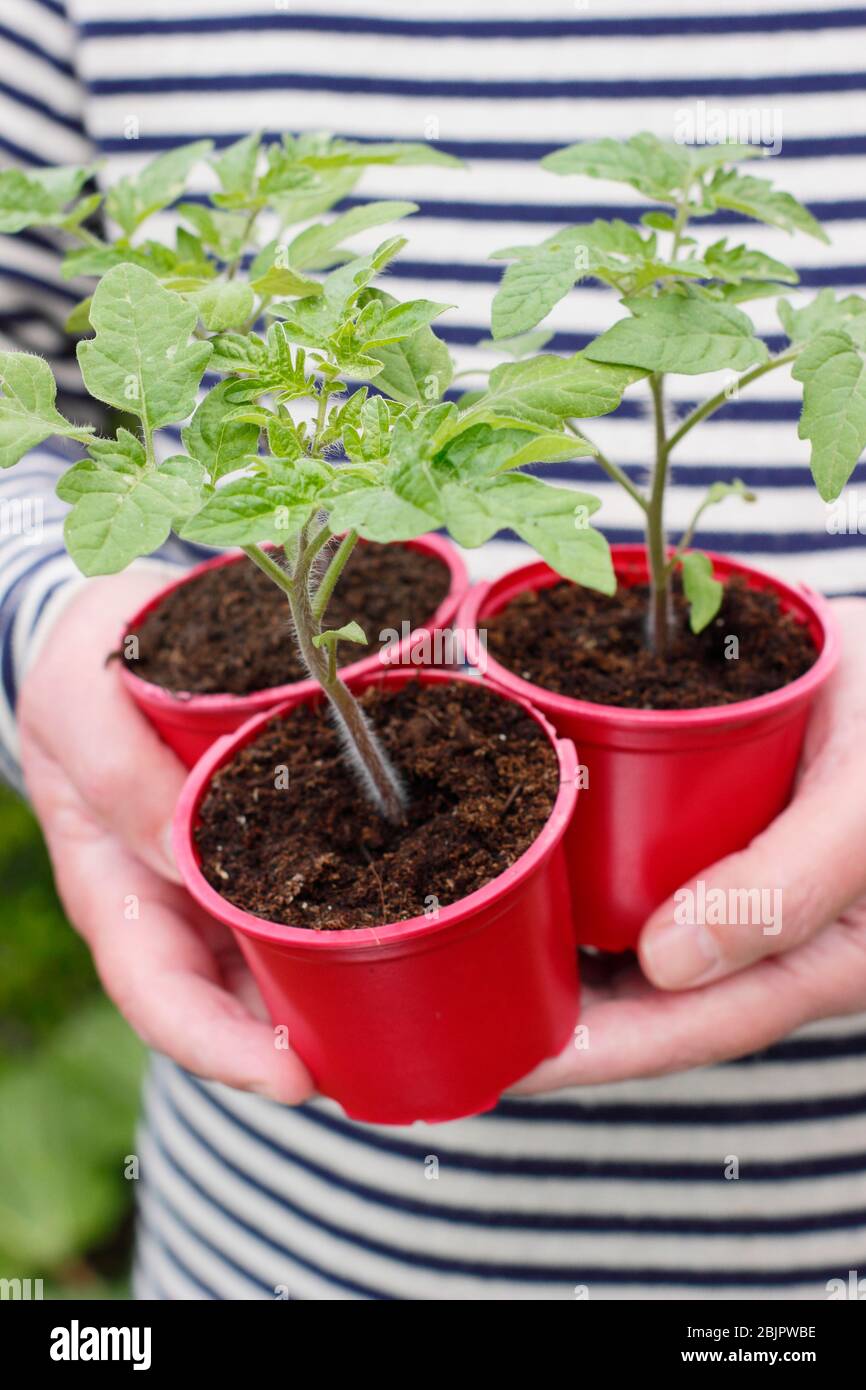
x,y
365,939
800,598
223,703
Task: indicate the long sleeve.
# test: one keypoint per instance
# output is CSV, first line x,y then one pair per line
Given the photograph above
x,y
41,123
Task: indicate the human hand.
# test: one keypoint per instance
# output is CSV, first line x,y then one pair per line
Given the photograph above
x,y
710,993
104,788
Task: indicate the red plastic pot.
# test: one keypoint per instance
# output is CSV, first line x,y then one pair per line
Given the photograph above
x,y
423,1019
190,723
667,792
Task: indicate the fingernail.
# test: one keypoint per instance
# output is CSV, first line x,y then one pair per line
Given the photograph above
x,y
680,954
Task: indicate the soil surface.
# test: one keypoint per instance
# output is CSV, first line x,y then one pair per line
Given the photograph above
x,y
592,646
228,631
481,780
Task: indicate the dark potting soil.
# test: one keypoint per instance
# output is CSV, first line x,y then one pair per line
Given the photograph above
x,y
228,630
481,780
592,646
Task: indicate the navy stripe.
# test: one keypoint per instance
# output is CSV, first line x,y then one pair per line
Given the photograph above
x,y
465,272
21,154
469,336
688,475
234,1219
36,104
610,89
835,211
158,1196
807,1050
40,283
580,28
765,1112
10,601
30,46
146,1278
480,1269
536,1221
171,1255
740,542
530,151
588,1169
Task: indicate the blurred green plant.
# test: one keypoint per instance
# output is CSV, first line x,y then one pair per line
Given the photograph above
x,y
69,1078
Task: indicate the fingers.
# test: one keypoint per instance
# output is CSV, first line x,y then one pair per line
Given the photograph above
x,y
801,872
155,964
74,706
639,1032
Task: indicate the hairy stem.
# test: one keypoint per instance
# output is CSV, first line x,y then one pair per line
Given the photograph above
x,y
368,757
269,567
655,528
332,574
377,775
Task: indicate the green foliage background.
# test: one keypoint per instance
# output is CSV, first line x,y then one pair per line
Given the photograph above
x,y
70,1070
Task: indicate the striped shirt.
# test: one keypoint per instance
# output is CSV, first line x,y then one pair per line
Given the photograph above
x,y
612,1191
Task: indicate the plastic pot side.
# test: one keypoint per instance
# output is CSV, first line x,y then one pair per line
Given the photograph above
x,y
668,792
189,723
430,1018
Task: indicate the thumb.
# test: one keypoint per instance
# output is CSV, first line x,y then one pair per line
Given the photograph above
x,y
794,878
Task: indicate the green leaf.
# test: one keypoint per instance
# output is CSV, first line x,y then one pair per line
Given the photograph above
x,y
658,168
223,232
553,520
680,333
530,288
378,514
122,506
349,632
415,370
833,372
281,280
735,264
483,450
78,322
27,411
312,321
659,221
285,438
759,199
610,251
160,182
224,304
40,197
323,191
268,505
236,166
141,359
350,153
220,442
824,314
546,390
401,321
314,248
524,345
703,592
